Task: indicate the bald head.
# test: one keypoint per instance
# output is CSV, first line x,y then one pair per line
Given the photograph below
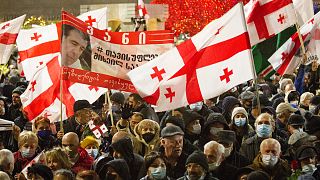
x,y
119,135
270,146
70,142
71,137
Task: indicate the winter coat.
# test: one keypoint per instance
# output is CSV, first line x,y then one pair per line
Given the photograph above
x,y
281,171
20,162
207,177
85,161
148,112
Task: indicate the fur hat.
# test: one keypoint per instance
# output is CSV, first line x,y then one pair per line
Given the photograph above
x,y
198,157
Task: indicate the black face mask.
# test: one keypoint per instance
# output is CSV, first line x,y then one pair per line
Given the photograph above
x,y
110,176
148,137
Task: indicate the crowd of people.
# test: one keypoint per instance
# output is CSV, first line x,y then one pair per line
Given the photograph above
x,y
270,131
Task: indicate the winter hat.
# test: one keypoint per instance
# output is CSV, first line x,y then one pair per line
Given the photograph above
x,y
315,100
19,90
261,175
81,104
89,140
277,101
269,110
216,117
243,171
191,117
198,157
171,130
121,167
151,157
285,106
238,110
296,119
117,97
226,136
229,102
246,95
306,152
14,80
42,170
176,121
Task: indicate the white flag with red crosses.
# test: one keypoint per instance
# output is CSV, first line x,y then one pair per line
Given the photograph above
x,y
97,130
266,18
142,9
283,60
209,64
96,18
8,34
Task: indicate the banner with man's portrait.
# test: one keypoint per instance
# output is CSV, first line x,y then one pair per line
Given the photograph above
x,y
103,58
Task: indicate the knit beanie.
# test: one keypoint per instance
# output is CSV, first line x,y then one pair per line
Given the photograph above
x,y
261,175
89,140
198,157
238,110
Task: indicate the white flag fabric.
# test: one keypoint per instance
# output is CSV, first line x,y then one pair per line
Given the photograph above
x,y
40,158
283,60
304,10
8,34
96,18
266,18
97,130
209,64
142,9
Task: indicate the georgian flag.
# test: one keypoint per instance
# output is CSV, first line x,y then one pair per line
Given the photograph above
x,y
266,18
283,60
142,9
40,158
42,96
96,18
209,64
97,130
8,34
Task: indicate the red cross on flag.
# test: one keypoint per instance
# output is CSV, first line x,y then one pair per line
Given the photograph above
x,y
96,18
266,18
8,34
97,130
283,60
203,67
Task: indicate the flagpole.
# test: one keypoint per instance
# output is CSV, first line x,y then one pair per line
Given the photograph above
x,y
299,34
61,83
255,77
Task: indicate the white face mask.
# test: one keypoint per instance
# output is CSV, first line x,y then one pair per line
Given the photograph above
x,y
269,160
214,166
309,168
214,130
196,129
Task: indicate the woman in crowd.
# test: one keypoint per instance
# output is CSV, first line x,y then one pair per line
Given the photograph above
x,y
44,133
57,159
156,168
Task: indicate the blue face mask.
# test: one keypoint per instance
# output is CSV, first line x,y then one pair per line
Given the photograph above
x,y
264,130
240,121
44,134
158,173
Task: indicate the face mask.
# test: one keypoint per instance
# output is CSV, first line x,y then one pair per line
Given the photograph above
x,y
27,153
227,151
44,134
148,137
93,152
214,130
309,168
196,129
110,176
300,129
295,103
158,173
263,130
269,160
213,166
196,106
240,121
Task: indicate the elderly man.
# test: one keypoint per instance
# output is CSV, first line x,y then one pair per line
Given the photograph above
x,y
172,149
78,156
284,110
197,167
6,161
214,152
268,160
264,127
